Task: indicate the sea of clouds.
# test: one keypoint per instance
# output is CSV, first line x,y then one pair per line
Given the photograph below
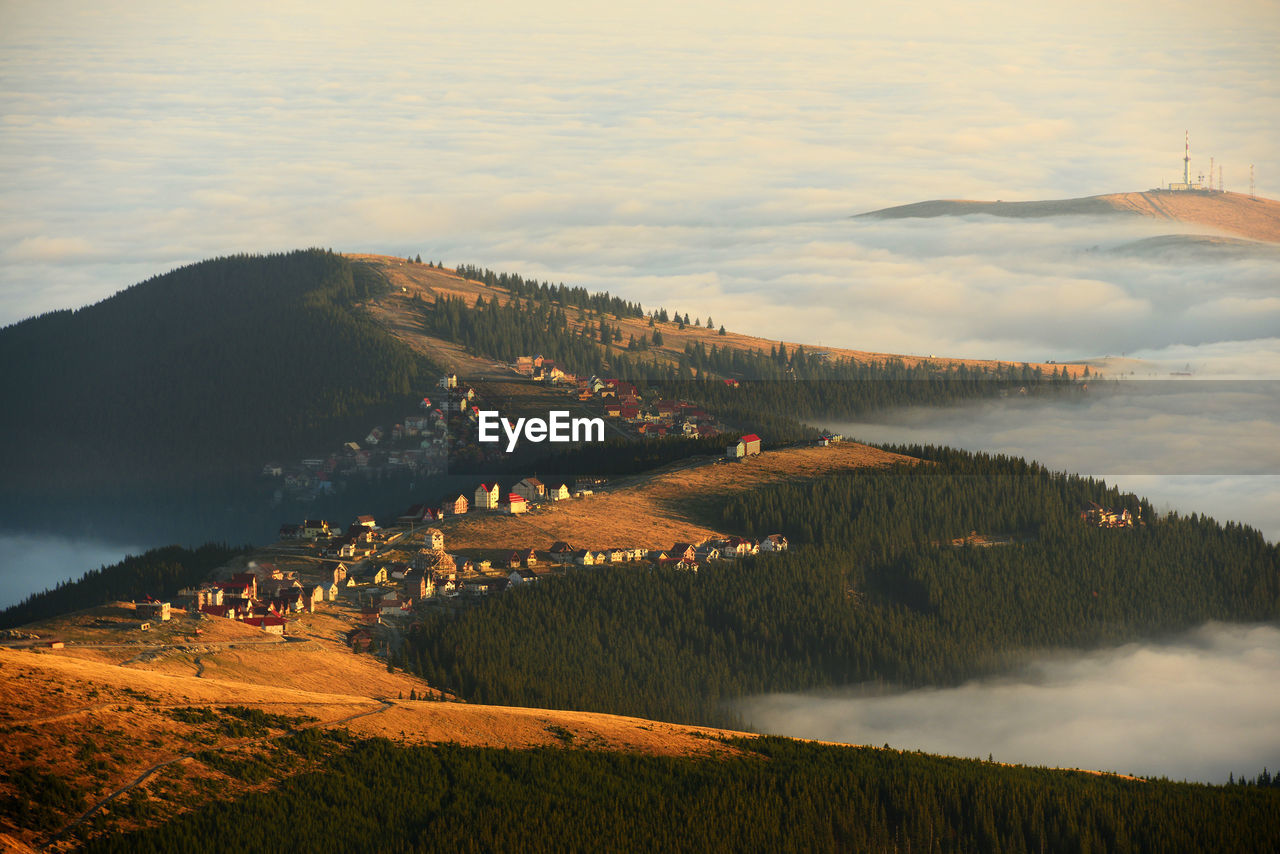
x,y
1199,706
703,157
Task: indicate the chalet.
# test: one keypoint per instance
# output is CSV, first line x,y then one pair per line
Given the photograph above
x,y
314,529
516,504
371,616
522,576
584,557
668,409
485,586
616,555
733,547
151,609
289,603
629,412
705,553
529,557
365,522
455,506
224,611
208,596
613,410
559,493
433,538
530,489
747,446
561,551
657,556
238,590
524,364
331,592
372,575
486,496
393,607
773,543
418,585
248,578
360,639
449,381
682,551
270,624
340,573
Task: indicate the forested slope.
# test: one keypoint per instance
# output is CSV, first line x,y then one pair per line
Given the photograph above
x,y
871,590
777,795
209,369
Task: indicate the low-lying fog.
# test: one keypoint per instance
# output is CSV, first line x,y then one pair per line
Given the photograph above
x,y
1199,706
1192,446
34,562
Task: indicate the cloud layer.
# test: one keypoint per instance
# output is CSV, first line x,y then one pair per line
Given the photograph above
x,y
1192,446
701,157
1199,707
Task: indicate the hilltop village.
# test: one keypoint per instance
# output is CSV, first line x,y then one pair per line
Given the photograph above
x,y
446,423
379,575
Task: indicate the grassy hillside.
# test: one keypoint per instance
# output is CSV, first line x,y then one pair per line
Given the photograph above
x,y
205,371
1234,213
158,758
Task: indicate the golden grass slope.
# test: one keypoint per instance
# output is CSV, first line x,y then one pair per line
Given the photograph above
x,y
398,314
101,719
1232,213
657,509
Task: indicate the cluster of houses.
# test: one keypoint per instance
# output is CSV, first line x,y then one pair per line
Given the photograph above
x,y
686,556
1105,517
623,401
492,497
392,589
263,596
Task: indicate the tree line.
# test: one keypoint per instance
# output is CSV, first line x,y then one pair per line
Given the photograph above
x,y
765,794
872,590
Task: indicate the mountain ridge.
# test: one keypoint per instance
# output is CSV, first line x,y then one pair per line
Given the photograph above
x,y
1255,218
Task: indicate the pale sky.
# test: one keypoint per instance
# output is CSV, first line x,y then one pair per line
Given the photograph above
x,y
705,157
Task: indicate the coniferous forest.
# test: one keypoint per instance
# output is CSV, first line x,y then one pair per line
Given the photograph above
x,y
202,372
159,573
759,795
872,590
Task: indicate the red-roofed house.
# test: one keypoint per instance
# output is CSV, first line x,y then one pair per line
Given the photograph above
x,y
487,496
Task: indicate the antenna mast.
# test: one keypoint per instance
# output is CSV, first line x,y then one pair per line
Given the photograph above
x,y
1186,161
